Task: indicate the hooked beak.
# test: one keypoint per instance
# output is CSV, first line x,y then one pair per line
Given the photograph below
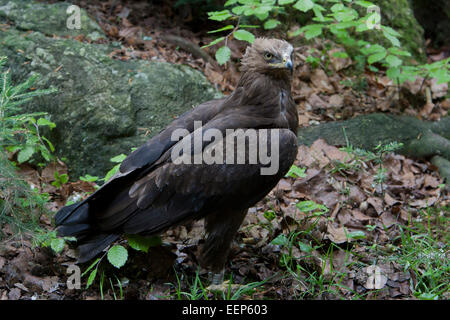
x,y
288,64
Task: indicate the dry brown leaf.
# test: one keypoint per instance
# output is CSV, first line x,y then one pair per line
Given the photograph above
x,y
389,200
338,63
438,90
388,219
377,204
321,82
423,203
336,101
314,102
357,214
430,181
336,234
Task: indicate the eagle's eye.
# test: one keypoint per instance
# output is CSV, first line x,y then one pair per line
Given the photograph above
x,y
268,55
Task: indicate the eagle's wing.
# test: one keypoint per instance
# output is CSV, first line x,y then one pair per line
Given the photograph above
x,y
174,192
145,156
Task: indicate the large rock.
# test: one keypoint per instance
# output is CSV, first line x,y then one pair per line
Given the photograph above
x,y
103,107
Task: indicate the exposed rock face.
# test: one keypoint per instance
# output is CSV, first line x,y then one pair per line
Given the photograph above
x,y
103,107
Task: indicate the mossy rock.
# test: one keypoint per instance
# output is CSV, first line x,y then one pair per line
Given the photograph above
x,y
103,107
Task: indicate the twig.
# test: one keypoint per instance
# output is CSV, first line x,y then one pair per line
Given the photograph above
x,y
190,47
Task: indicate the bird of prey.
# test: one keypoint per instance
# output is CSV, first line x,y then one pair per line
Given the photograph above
x,y
152,191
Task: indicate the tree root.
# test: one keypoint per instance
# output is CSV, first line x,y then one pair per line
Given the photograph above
x,y
190,47
421,139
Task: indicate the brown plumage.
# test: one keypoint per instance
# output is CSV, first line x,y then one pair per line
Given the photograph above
x,y
151,193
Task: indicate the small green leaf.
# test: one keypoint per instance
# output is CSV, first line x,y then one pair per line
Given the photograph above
x,y
244,35
91,266
91,278
281,240
392,39
57,244
45,122
223,55
393,61
117,256
271,24
399,52
365,4
305,247
111,172
64,178
228,27
118,159
304,5
230,2
340,54
219,15
313,30
269,215
25,154
393,73
376,57
141,243
308,206
295,172
89,178
283,2
356,235
213,42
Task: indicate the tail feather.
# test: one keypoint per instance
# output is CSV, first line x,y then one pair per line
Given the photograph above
x,y
73,220
72,214
77,230
94,245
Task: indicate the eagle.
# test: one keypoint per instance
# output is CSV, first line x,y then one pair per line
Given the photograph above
x,y
160,184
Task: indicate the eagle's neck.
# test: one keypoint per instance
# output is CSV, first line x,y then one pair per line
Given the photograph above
x,y
267,97
280,81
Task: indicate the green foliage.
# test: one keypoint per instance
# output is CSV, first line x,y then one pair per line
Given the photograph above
x,y
45,238
89,178
117,256
117,159
419,252
296,172
141,243
359,156
20,204
334,19
60,179
19,132
311,207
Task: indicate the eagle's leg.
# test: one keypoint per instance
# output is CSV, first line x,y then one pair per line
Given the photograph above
x,y
221,227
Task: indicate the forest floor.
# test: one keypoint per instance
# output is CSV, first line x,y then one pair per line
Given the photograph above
x,y
347,225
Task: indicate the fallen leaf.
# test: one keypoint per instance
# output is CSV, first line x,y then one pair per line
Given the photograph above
x,y
377,204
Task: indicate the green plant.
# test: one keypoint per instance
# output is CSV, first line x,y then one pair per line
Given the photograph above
x,y
339,20
428,259
296,172
360,157
117,256
19,132
45,238
21,205
60,179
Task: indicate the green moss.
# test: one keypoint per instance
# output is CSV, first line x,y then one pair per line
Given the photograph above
x,y
104,107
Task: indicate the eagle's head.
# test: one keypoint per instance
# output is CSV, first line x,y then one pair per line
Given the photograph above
x,y
269,56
